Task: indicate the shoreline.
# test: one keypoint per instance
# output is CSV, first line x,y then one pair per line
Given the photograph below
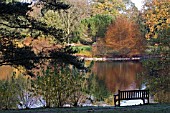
x,y
135,58
110,59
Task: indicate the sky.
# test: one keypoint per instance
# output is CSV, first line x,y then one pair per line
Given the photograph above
x,y
138,3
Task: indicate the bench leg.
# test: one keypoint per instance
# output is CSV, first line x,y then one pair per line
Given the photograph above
x,y
118,102
115,104
148,100
143,101
115,100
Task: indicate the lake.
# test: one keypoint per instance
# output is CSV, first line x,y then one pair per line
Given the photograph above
x,y
126,75
119,76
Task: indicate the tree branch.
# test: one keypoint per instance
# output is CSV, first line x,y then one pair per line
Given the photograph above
x,y
24,26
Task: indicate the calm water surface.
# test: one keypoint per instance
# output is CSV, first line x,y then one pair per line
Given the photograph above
x,y
119,75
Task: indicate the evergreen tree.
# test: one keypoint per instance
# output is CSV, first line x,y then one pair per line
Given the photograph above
x,y
17,24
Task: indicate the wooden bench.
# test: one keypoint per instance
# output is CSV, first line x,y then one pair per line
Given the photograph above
x,y
131,95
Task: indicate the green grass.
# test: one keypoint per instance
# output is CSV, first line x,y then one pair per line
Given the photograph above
x,y
83,50
152,108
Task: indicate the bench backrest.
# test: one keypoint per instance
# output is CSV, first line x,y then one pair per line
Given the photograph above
x,y
133,94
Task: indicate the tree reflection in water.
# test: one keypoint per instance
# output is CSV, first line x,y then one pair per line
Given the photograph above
x,y
124,76
118,75
157,78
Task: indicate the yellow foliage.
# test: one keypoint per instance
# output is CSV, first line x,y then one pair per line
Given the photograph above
x,y
156,15
18,43
168,21
109,7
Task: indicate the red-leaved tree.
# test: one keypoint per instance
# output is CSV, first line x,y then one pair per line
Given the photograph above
x,y
124,36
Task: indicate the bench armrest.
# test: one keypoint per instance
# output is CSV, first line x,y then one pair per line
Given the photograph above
x,y
115,94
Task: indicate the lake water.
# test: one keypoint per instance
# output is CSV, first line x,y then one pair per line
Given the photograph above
x,y
120,76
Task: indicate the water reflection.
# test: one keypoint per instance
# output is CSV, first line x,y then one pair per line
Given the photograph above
x,y
119,75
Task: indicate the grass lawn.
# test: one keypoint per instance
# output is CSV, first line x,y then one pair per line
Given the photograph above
x,y
152,108
83,50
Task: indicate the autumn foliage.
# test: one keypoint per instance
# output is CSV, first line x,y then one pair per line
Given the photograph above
x,y
124,36
156,15
107,7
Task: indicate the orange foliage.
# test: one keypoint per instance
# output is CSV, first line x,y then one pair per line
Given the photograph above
x,y
5,72
124,35
40,44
